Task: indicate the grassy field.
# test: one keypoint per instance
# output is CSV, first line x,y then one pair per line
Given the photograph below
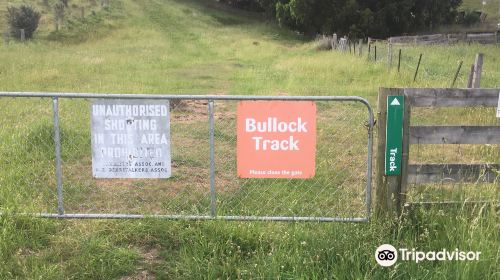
x,y
490,7
181,47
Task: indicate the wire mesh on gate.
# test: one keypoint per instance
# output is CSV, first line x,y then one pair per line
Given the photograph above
x,y
340,190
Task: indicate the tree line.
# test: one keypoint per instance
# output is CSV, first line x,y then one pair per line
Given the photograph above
x,y
356,18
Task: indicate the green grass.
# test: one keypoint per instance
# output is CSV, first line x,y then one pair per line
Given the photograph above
x,y
181,47
491,8
182,250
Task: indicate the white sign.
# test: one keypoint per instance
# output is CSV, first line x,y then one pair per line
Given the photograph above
x,y
498,107
131,139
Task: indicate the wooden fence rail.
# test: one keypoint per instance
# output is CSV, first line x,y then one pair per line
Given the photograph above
x,y
492,37
391,190
445,173
454,135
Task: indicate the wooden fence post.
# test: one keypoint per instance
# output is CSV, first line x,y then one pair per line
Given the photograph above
x,y
369,47
23,35
399,60
416,70
58,15
456,73
405,156
388,190
389,55
471,74
478,68
360,47
334,41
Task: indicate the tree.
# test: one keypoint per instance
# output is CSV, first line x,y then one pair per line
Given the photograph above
x,y
356,18
307,16
24,17
432,13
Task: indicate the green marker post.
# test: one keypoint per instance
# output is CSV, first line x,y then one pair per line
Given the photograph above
x,y
394,134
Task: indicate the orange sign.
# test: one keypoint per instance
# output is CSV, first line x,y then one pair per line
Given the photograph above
x,y
276,139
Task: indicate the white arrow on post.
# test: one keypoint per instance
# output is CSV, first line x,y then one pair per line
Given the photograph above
x,y
395,102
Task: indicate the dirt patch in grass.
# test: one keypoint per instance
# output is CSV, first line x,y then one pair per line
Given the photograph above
x,y
184,192
150,257
145,196
197,111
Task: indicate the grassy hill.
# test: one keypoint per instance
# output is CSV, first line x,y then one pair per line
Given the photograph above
x,y
190,46
490,7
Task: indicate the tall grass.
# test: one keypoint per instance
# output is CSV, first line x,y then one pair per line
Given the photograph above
x,y
210,250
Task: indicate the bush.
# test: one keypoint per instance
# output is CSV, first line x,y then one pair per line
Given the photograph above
x,y
23,17
469,17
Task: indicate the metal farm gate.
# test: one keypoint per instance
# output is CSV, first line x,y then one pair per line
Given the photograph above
x,y
46,163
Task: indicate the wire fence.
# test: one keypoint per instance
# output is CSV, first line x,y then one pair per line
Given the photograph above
x,y
413,62
204,182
